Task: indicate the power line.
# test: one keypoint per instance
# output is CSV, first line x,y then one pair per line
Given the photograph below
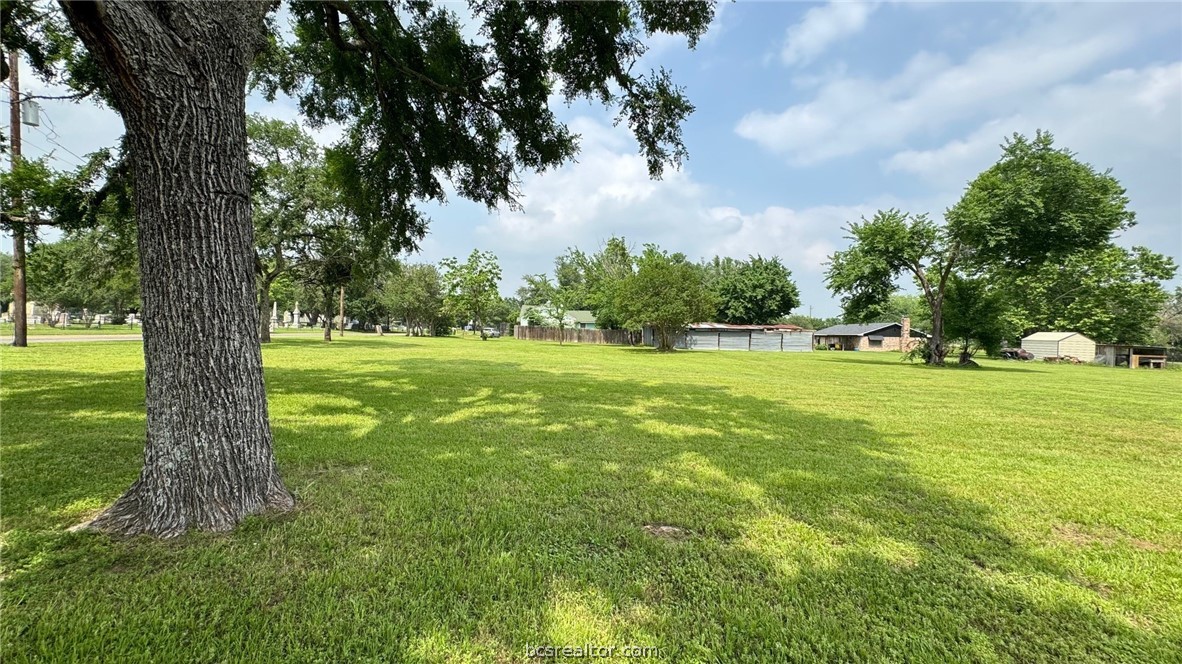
x,y
49,153
54,141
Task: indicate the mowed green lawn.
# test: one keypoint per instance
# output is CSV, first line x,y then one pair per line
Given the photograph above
x,y
463,500
6,330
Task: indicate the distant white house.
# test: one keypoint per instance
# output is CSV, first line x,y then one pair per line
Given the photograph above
x,y
575,319
1059,344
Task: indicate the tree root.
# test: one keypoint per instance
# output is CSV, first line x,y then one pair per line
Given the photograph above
x,y
130,515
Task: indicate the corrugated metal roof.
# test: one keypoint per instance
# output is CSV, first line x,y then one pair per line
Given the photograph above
x,y
1049,336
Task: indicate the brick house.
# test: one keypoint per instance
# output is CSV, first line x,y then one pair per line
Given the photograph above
x,y
870,336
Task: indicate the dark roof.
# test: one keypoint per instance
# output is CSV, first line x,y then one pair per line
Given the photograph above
x,y
854,329
861,329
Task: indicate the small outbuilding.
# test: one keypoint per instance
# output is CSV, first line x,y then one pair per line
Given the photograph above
x,y
1060,344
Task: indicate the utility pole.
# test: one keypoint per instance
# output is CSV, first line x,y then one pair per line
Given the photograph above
x,y
342,311
20,319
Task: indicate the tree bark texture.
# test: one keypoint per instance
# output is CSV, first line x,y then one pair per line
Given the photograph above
x,y
177,72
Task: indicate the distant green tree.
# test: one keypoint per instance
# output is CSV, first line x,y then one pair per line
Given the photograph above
x,y
536,290
1111,294
897,306
974,317
471,287
1037,204
666,293
1169,326
5,281
570,276
85,270
885,247
289,192
755,291
607,271
811,322
416,296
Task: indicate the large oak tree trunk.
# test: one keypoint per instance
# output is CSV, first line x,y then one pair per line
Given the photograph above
x,y
177,72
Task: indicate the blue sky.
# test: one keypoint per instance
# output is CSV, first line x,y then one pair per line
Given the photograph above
x,y
811,115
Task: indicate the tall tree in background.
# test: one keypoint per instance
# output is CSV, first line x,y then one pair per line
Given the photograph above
x,y
5,281
289,190
34,196
974,317
666,293
537,289
91,269
1169,325
607,271
570,276
889,245
755,291
1111,294
420,102
1039,225
471,287
895,308
416,295
1036,211
1038,203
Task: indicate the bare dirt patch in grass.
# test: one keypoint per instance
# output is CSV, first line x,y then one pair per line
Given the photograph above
x,y
666,532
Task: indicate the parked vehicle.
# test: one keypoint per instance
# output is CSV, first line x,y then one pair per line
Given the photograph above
x,y
491,332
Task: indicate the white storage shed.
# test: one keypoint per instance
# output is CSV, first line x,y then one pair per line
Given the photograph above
x,y
1058,344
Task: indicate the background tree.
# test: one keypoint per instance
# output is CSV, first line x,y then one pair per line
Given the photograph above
x,y
537,289
416,295
471,287
666,293
554,311
1111,294
419,102
895,308
885,247
86,270
1169,326
328,263
289,189
570,277
1037,204
5,281
811,322
607,271
974,317
34,196
756,291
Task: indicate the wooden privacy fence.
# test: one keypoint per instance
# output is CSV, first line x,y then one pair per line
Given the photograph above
x,y
576,336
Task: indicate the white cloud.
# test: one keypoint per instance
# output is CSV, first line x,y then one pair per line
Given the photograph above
x,y
1131,125
851,114
823,26
608,192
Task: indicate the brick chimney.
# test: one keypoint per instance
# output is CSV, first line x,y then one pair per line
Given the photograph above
x,y
905,335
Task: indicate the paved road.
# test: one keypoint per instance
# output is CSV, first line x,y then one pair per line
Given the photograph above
x,y
61,338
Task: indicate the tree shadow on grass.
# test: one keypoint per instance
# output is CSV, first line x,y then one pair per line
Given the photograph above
x,y
854,357
466,509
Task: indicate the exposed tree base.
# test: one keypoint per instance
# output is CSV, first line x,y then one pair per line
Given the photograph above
x,y
133,515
